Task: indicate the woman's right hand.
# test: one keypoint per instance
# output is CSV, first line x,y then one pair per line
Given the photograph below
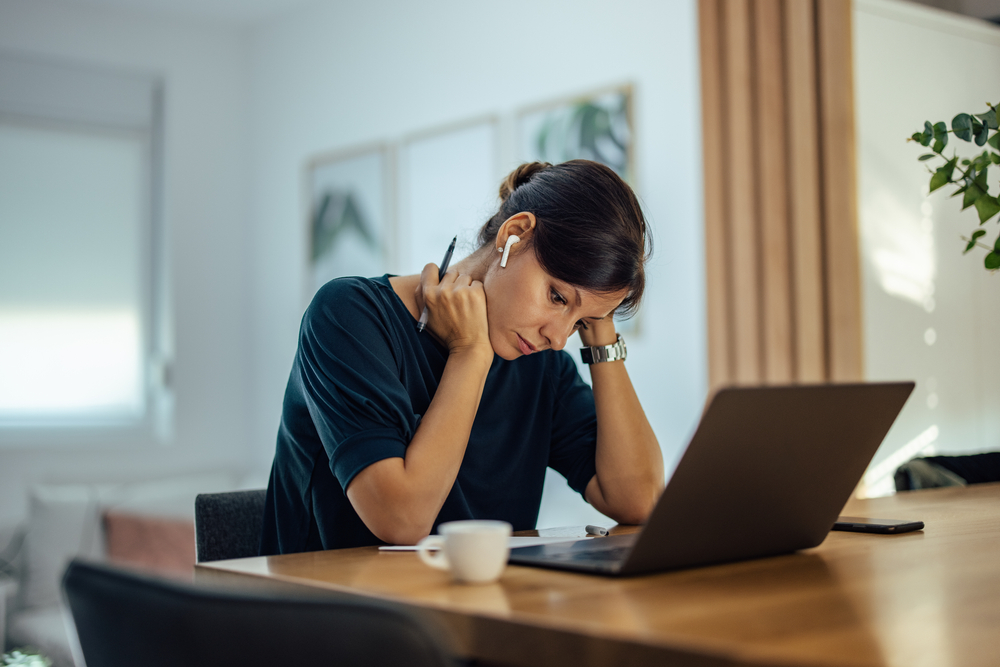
x,y
400,498
456,308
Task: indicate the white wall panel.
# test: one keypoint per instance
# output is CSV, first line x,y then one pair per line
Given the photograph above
x,y
930,314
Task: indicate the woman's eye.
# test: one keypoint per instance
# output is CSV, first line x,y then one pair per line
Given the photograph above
x,y
580,324
557,298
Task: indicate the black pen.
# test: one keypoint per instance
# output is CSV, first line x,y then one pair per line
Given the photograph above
x,y
422,323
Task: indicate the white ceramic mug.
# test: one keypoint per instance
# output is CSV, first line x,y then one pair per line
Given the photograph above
x,y
475,552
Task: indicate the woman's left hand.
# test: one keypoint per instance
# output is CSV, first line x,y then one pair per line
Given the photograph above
x,y
599,332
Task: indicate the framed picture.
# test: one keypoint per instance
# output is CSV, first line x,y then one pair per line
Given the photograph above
x,y
351,231
595,126
448,186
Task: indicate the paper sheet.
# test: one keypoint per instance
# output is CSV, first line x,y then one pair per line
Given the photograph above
x,y
514,542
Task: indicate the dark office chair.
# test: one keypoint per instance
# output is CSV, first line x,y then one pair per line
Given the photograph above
x,y
227,525
929,472
125,620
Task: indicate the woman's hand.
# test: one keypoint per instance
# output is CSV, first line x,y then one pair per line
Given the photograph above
x,y
399,498
456,310
599,332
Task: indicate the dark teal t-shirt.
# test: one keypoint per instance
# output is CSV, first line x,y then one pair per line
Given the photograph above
x,y
361,380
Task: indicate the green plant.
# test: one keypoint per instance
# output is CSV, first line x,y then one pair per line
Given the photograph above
x,y
25,657
968,174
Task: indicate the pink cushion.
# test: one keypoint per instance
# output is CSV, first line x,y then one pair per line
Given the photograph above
x,y
155,544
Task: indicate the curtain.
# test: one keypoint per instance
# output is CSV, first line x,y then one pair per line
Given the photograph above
x,y
781,227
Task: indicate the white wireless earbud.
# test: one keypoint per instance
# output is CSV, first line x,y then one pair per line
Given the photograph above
x,y
511,240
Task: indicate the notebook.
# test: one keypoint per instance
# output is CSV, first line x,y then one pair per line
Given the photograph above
x,y
767,472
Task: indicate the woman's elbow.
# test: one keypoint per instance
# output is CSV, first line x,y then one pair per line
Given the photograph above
x,y
395,529
388,509
637,506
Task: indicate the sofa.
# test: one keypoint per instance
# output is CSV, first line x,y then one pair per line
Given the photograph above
x,y
146,525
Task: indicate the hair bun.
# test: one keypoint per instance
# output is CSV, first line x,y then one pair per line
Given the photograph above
x,y
519,177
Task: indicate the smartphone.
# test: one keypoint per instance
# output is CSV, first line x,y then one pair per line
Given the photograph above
x,y
890,526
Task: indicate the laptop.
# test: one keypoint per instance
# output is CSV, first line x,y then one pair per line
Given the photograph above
x,y
767,472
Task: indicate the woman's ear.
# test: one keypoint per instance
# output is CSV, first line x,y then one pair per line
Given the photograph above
x,y
521,225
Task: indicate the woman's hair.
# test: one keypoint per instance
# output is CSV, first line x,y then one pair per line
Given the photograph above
x,y
589,231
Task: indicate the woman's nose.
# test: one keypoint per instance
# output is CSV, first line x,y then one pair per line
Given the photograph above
x,y
557,336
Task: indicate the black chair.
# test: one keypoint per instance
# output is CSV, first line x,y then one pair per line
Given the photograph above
x,y
227,525
929,472
126,620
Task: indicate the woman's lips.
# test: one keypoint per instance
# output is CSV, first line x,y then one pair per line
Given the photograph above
x,y
526,347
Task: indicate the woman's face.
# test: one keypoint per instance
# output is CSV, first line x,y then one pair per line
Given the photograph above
x,y
530,311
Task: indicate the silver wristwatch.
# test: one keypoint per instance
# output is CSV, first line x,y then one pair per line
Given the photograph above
x,y
614,352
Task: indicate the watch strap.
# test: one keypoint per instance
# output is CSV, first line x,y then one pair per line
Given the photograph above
x,y
601,353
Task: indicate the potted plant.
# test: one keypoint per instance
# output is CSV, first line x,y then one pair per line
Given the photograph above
x,y
969,175
25,657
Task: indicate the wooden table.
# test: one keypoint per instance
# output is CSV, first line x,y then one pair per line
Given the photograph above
x,y
927,598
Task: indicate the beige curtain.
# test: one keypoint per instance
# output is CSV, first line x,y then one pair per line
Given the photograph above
x,y
783,282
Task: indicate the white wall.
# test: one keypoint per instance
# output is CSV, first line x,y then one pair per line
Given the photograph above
x,y
914,64
334,75
205,72
245,109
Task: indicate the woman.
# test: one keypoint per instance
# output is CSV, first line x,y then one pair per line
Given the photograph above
x,y
386,431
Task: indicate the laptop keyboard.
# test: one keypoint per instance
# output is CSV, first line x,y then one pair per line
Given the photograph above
x,y
603,555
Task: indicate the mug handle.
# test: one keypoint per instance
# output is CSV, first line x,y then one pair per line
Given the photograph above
x,y
434,559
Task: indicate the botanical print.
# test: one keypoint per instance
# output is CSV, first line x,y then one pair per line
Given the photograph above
x,y
596,127
348,221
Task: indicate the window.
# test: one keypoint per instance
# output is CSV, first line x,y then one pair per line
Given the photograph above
x,y
81,322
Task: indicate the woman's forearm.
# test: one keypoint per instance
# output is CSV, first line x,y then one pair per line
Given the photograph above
x,y
629,476
399,499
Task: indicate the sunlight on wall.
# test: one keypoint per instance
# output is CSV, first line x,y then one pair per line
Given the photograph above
x,y
900,247
70,364
879,478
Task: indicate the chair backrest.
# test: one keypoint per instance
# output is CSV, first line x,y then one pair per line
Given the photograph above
x,y
227,525
125,619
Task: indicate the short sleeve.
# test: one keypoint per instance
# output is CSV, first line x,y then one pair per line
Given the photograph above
x,y
573,446
347,365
